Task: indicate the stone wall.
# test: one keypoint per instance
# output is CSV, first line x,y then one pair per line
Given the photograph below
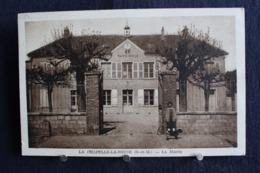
x,y
144,110
60,123
47,124
207,122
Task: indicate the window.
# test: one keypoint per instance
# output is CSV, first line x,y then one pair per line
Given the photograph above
x,y
148,97
127,97
127,70
107,97
73,96
148,69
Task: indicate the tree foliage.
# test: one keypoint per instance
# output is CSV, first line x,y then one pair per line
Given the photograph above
x,y
51,74
83,51
208,73
189,56
231,81
48,75
191,52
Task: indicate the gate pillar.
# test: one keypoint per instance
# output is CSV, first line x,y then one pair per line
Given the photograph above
x,y
94,106
167,93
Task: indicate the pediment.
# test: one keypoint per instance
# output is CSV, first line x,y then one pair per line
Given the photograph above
x,y
127,45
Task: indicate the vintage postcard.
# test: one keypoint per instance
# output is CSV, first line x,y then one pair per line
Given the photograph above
x,y
142,83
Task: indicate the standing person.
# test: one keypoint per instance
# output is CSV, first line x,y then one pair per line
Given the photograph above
x,y
171,120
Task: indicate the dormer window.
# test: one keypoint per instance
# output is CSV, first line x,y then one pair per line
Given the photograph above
x,y
127,51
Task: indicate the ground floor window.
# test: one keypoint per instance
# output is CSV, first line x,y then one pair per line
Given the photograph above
x,y
148,97
127,97
107,97
73,98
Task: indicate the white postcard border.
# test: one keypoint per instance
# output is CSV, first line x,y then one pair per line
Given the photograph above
x,y
238,13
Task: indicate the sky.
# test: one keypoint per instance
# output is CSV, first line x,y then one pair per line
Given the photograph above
x,y
221,28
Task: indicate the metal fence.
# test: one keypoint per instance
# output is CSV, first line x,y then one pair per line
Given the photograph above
x,y
63,98
222,97
70,98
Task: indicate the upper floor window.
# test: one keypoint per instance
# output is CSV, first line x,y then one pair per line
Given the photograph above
x,y
127,70
148,69
135,70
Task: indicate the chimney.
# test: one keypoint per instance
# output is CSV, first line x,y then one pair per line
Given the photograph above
x,y
66,33
162,33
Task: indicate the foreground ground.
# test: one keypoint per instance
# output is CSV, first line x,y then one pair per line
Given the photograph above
x,y
135,131
138,141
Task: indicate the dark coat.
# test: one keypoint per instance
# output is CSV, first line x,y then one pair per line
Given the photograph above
x,y
170,114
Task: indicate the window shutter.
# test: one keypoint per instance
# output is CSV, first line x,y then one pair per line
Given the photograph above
x,y
113,70
140,70
135,70
156,97
118,70
103,68
114,97
106,67
157,69
152,71
140,97
44,98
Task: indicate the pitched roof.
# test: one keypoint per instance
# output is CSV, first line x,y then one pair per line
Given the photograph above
x,y
149,43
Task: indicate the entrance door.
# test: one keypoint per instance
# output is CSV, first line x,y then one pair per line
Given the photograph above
x,y
127,100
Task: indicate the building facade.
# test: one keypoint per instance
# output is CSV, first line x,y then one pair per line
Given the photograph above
x,y
64,97
130,80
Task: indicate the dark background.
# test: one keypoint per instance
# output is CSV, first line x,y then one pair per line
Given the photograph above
x,y
10,152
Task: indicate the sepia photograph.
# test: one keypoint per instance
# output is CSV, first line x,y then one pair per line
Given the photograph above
x,y
143,83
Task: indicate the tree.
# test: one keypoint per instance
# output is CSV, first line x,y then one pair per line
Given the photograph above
x,y
193,49
48,75
204,77
231,84
84,53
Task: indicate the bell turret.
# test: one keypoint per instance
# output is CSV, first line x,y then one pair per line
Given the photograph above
x,y
127,30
